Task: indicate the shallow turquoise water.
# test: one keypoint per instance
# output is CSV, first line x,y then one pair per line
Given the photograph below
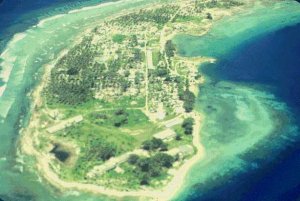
x,y
250,121
247,126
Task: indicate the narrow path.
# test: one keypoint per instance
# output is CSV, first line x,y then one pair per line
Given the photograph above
x,y
146,78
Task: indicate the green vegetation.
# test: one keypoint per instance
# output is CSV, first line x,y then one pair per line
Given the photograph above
x,y
161,72
133,159
200,5
108,85
156,56
133,41
152,167
129,118
121,118
137,55
80,75
189,99
100,139
98,144
188,125
183,139
74,76
187,18
159,16
105,150
118,38
170,49
209,16
154,144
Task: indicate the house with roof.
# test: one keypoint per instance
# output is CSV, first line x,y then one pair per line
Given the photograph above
x,y
165,135
65,124
182,151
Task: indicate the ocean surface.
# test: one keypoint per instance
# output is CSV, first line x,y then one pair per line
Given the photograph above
x,y
251,98
18,15
251,103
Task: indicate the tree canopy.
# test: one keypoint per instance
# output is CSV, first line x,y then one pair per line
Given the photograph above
x,y
154,144
188,124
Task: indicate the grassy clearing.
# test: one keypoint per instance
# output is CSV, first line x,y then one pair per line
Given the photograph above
x,y
156,56
124,102
137,125
194,19
118,38
98,129
126,180
184,139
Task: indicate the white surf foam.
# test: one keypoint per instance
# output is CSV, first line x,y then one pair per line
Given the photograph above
x,y
93,7
42,22
8,60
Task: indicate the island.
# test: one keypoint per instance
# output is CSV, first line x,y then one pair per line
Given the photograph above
x,y
115,113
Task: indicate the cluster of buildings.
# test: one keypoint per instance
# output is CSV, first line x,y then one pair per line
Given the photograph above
x,y
148,37
166,135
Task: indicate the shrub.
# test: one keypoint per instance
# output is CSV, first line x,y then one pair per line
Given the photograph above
x,y
209,16
145,180
120,120
153,166
189,100
105,150
178,137
120,112
133,159
164,160
188,125
154,144
170,49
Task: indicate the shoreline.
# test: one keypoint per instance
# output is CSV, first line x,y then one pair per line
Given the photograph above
x,y
6,71
27,147
172,188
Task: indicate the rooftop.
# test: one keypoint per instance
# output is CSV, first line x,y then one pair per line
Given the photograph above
x,y
166,134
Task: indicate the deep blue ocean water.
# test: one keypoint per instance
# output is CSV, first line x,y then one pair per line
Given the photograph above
x,y
273,59
270,63
17,15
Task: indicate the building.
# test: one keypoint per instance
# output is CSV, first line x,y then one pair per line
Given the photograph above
x,y
186,150
182,151
65,124
166,135
101,169
173,122
113,163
